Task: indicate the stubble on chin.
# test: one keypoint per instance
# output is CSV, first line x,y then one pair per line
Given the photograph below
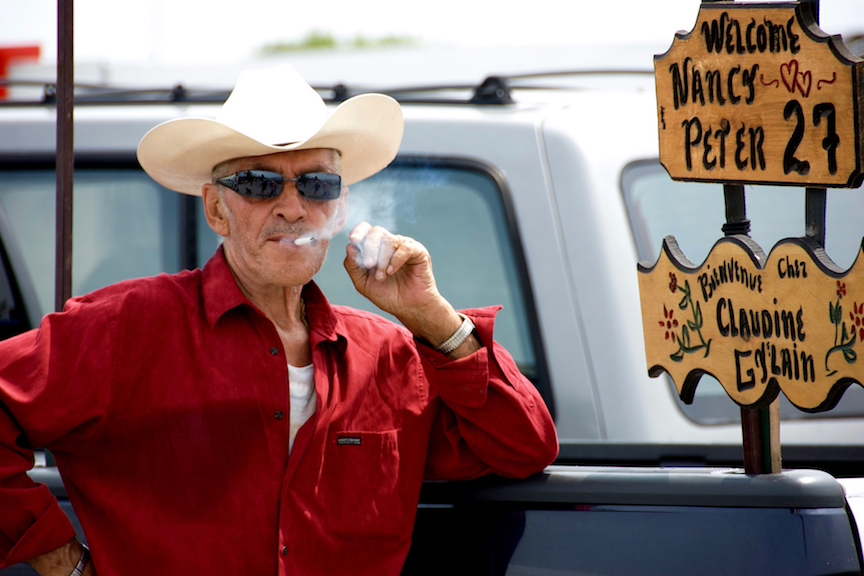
x,y
269,265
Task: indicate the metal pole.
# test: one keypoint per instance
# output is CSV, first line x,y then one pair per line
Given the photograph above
x,y
736,210
65,155
760,427
815,201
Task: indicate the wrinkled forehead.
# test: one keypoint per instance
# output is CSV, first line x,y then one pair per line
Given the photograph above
x,y
288,162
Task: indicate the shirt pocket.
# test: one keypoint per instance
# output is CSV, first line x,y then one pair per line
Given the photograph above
x,y
361,474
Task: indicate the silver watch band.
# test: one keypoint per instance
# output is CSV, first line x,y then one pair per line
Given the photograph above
x,y
458,337
82,563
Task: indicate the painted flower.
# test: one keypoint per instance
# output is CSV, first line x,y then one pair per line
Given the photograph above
x,y
857,319
841,289
668,323
673,282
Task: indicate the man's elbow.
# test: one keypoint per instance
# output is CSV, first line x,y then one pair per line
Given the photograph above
x,y
539,453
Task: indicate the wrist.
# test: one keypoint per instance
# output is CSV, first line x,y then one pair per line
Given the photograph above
x,y
83,561
465,330
59,562
433,323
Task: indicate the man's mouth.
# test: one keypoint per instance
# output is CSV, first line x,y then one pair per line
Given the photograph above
x,y
303,240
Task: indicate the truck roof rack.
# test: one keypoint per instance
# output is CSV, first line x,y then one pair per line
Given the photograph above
x,y
492,91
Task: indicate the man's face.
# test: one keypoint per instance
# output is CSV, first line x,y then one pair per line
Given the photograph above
x,y
258,233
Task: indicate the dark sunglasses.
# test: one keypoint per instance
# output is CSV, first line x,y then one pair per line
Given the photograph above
x,y
265,184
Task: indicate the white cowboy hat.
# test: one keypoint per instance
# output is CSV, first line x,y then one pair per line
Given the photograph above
x,y
273,110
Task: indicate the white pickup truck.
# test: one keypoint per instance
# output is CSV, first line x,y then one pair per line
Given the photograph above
x,y
539,193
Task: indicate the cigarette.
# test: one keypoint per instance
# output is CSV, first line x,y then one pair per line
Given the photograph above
x,y
305,240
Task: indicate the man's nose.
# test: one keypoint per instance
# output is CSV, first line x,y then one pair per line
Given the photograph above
x,y
289,204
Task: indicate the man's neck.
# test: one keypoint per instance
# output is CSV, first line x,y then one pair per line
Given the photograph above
x,y
282,305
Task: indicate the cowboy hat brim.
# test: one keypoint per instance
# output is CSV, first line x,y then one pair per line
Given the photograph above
x,y
180,154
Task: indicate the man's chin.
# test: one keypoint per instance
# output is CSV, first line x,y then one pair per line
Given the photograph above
x,y
280,266
291,272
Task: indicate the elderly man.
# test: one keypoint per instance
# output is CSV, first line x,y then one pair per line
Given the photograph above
x,y
230,420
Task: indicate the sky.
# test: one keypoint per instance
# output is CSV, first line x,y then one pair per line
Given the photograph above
x,y
189,32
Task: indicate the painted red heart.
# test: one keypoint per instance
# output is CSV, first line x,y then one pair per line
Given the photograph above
x,y
789,73
804,81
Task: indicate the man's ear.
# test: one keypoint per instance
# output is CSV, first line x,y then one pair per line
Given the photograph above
x,y
214,209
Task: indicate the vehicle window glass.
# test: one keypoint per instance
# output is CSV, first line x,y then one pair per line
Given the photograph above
x,y
13,317
124,226
458,215
694,214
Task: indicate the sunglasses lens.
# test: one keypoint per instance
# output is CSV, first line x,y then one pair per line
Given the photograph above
x,y
319,186
259,183
265,184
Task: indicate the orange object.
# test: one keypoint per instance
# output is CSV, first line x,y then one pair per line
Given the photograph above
x,y
9,54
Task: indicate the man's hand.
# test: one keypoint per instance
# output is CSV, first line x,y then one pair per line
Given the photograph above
x,y
395,273
62,561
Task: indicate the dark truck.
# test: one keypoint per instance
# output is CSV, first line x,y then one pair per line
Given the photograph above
x,y
616,521
557,205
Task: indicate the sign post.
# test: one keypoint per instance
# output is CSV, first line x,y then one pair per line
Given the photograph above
x,y
758,94
65,154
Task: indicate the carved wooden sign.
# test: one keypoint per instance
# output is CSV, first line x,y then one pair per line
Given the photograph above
x,y
757,93
791,321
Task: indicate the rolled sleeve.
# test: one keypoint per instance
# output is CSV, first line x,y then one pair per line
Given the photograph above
x,y
40,526
493,419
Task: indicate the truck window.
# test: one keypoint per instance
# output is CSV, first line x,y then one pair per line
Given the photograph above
x,y
124,226
127,226
13,313
458,213
695,212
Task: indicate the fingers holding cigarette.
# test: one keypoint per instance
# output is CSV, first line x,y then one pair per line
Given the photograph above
x,y
395,273
378,251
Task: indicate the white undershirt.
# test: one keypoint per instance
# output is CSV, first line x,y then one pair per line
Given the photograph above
x,y
301,389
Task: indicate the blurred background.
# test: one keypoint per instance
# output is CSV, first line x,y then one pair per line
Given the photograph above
x,y
372,42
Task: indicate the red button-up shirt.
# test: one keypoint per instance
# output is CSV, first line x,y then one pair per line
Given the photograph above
x,y
165,400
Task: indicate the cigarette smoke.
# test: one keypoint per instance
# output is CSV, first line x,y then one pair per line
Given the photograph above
x,y
387,199
381,204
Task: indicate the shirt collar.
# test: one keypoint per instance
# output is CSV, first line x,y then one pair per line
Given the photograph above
x,y
221,294
324,323
220,289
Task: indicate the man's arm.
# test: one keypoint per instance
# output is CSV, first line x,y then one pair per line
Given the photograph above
x,y
32,520
494,420
53,390
497,421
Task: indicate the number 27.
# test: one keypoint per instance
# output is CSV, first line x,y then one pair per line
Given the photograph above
x,y
829,143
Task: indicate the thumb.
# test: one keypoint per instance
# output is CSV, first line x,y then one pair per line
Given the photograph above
x,y
354,262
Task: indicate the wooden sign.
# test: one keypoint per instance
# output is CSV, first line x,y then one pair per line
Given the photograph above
x,y
757,93
791,321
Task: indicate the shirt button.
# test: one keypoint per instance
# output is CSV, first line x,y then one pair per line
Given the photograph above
x,y
278,415
274,351
284,550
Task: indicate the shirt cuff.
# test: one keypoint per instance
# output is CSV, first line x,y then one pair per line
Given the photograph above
x,y
463,381
51,530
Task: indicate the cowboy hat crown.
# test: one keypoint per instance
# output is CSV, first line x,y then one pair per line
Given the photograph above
x,y
273,110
